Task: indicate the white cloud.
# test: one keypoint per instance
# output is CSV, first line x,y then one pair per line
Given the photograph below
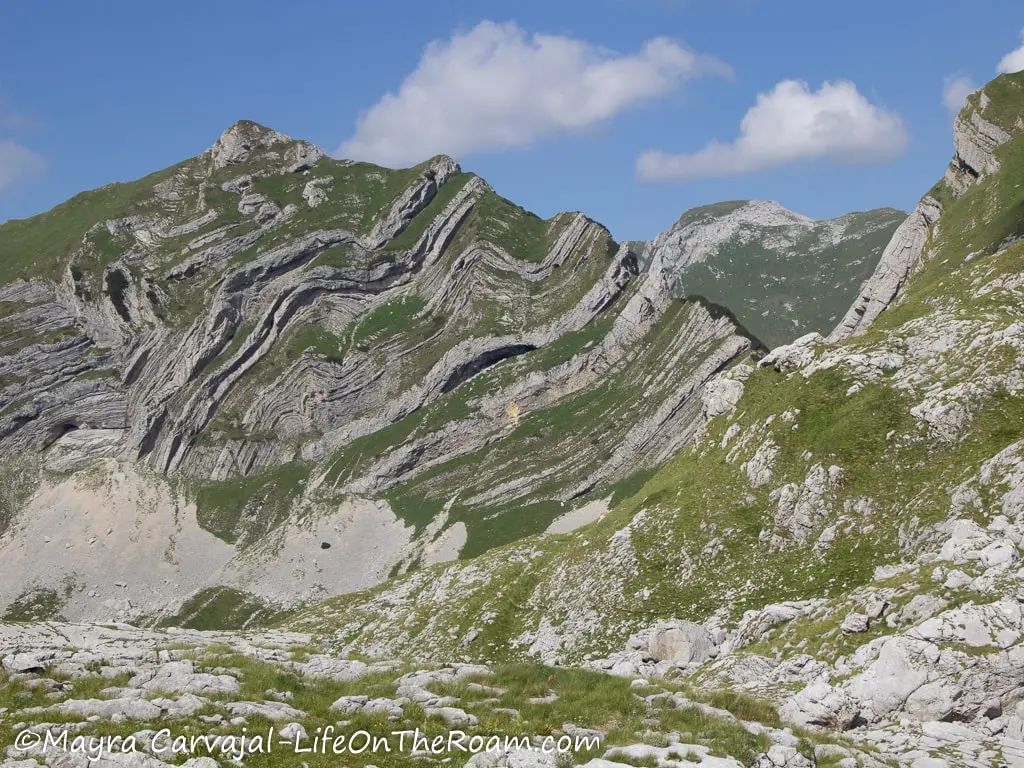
x,y
955,90
788,124
1014,60
17,164
496,87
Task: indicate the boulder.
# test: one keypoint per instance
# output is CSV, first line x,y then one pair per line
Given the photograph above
x,y
919,608
902,666
1001,553
328,667
21,663
779,756
820,705
855,623
791,356
683,642
452,716
110,709
933,701
720,395
181,677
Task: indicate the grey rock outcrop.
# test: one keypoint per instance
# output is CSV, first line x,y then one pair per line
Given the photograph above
x,y
975,140
680,641
900,259
180,677
239,142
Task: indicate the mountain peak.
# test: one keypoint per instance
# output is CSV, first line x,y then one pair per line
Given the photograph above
x,y
443,166
246,138
767,213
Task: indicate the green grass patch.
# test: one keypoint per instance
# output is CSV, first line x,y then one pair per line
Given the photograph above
x,y
318,340
42,604
223,608
725,737
240,510
391,318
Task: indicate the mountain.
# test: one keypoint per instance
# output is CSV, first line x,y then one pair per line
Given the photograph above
x,y
783,275
293,376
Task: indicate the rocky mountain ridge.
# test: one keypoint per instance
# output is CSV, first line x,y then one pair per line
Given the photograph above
x,y
320,373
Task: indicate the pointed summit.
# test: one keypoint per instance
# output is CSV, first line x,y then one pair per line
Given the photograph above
x,y
239,143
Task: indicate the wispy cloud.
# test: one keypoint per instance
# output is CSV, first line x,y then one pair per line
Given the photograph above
x,y
1014,60
20,122
955,90
18,164
498,87
788,124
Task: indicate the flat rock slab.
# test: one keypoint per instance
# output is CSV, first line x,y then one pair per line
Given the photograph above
x,y
272,710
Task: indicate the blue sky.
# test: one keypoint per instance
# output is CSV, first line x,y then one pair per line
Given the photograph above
x,y
554,123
